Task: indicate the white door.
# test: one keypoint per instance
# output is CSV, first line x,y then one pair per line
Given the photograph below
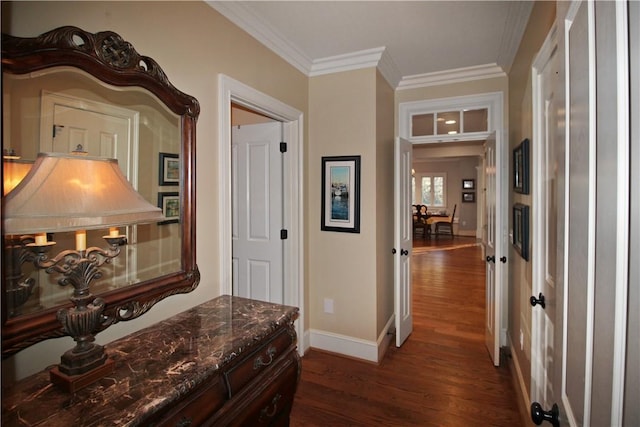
x,y
544,223
102,130
492,292
593,205
402,240
256,188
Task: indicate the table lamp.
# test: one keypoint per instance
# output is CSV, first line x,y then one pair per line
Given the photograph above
x,y
65,192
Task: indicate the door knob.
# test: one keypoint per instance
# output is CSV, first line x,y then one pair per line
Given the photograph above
x,y
540,300
393,251
503,259
538,415
491,258
404,252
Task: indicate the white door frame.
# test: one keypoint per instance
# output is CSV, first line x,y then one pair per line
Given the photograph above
x,y
230,90
494,101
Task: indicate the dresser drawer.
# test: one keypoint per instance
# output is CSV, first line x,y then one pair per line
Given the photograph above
x,y
265,402
199,406
256,362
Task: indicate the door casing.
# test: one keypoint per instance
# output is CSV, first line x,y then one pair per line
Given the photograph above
x,y
231,90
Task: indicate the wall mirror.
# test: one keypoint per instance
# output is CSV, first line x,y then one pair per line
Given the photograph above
x,y
69,89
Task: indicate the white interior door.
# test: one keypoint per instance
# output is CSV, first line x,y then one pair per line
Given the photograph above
x,y
492,294
256,186
402,240
545,219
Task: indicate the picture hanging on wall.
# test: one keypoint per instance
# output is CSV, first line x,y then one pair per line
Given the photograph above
x,y
340,194
521,230
468,197
521,167
169,202
169,169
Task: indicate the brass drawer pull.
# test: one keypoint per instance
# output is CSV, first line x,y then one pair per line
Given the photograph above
x,y
270,410
258,363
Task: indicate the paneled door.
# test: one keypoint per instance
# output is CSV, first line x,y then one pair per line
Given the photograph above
x,y
257,213
492,284
591,281
545,219
403,240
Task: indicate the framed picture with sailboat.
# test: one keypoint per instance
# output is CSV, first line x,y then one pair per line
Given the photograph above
x,y
340,194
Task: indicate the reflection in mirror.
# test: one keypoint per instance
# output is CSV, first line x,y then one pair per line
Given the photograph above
x,y
71,90
59,110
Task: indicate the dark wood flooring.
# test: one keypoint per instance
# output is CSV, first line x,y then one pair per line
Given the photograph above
x,y
441,376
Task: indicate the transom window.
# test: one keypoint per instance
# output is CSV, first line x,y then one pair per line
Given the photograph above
x,y
450,122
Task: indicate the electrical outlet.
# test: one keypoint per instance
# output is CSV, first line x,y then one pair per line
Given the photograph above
x,y
328,305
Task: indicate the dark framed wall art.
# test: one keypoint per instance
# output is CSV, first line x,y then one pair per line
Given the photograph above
x,y
521,230
340,194
468,197
169,170
169,202
521,167
468,184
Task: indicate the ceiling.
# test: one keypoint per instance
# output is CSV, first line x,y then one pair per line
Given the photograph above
x,y
413,43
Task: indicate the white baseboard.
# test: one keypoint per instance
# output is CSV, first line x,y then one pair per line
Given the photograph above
x,y
526,400
371,351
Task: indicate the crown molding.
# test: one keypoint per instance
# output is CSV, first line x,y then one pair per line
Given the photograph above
x,y
244,18
377,57
458,75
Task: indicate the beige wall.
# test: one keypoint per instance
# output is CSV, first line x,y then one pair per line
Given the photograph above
x,y
384,202
192,43
520,127
342,118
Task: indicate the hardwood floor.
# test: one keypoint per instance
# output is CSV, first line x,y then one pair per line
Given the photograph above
x,y
441,376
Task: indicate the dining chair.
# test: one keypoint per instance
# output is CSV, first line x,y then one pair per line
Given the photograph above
x,y
446,227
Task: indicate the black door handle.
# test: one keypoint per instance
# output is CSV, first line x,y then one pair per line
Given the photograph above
x,y
404,252
491,258
393,251
538,415
503,259
540,300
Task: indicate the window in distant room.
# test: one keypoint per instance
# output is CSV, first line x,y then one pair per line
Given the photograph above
x,y
431,191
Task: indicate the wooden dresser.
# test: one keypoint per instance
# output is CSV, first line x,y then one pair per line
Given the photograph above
x,y
228,362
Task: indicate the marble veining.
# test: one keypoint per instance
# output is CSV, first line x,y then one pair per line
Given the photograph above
x,y
155,367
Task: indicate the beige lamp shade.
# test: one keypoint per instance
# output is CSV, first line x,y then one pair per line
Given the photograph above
x,y
68,192
13,171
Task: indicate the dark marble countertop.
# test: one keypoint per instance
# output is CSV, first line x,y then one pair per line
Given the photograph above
x,y
154,367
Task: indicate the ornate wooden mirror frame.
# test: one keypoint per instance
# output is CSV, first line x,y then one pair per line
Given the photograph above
x,y
112,60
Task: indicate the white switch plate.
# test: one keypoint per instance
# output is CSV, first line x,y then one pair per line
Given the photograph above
x,y
328,305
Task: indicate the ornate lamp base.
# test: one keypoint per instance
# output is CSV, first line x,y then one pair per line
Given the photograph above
x,y
73,383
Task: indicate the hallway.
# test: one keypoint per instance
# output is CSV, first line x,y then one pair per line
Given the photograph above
x,y
442,375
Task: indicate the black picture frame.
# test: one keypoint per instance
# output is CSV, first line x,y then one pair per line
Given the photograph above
x,y
468,197
340,193
521,167
468,184
169,169
169,202
521,230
